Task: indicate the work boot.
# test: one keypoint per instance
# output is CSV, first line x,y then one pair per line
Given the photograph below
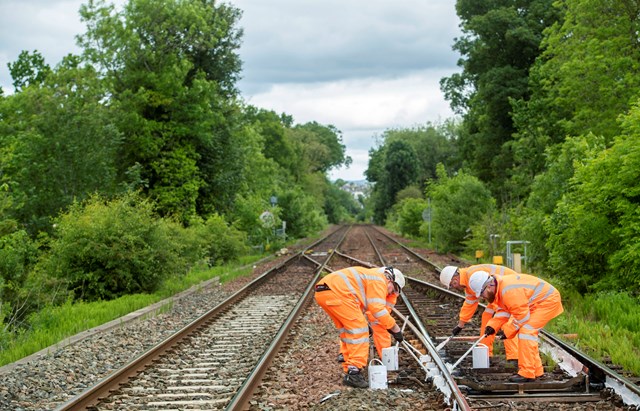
x,y
354,378
519,379
340,357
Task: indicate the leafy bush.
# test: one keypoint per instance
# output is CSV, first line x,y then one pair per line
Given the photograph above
x,y
106,249
594,230
221,243
302,214
17,254
407,216
458,203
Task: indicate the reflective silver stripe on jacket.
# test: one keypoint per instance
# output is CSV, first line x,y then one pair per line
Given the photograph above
x,y
551,290
493,269
381,313
518,323
470,298
356,275
377,300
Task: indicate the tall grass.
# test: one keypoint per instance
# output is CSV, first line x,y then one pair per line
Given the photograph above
x,y
53,325
607,324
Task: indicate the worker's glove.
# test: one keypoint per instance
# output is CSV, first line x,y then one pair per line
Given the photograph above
x,y
456,331
488,330
500,335
398,336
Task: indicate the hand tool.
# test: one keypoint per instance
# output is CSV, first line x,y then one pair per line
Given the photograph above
x,y
442,344
467,353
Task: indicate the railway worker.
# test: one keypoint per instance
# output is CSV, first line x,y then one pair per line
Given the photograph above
x,y
458,278
346,296
531,302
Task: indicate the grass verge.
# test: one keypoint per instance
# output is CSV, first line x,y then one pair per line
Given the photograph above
x,y
53,325
607,324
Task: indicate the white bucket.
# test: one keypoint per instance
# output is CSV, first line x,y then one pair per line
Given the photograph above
x,y
390,357
377,375
480,356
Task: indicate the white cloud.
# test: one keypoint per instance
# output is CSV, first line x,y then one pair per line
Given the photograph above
x,y
361,108
47,26
363,66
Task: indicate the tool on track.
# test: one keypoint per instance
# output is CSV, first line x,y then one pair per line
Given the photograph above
x,y
467,353
442,344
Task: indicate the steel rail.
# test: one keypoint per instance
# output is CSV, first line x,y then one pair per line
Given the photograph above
x,y
424,337
246,390
597,371
103,387
421,332
408,250
600,372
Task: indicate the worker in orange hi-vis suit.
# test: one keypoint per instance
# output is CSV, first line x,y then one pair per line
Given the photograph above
x,y
531,302
346,295
458,278
382,338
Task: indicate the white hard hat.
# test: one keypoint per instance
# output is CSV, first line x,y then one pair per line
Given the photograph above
x,y
396,276
447,274
477,280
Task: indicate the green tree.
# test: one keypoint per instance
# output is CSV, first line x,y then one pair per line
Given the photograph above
x,y
595,228
394,166
304,216
172,67
29,69
59,143
457,203
318,148
340,205
276,141
400,168
583,80
499,45
549,187
433,144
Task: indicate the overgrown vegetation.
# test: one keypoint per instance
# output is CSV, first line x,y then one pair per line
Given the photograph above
x,y
55,323
545,150
126,166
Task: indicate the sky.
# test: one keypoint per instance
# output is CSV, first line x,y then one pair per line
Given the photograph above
x,y
362,66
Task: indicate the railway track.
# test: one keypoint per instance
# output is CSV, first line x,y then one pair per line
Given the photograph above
x,y
211,363
571,376
270,347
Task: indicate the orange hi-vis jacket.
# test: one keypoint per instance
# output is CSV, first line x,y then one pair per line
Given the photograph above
x,y
470,304
532,303
381,338
346,296
519,295
367,286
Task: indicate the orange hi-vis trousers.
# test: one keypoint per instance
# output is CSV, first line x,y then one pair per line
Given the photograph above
x,y
529,362
352,324
510,345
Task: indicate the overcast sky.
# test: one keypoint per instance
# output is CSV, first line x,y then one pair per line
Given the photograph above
x,y
363,66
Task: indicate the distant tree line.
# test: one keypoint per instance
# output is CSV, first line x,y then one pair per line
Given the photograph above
x,y
545,147
137,159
